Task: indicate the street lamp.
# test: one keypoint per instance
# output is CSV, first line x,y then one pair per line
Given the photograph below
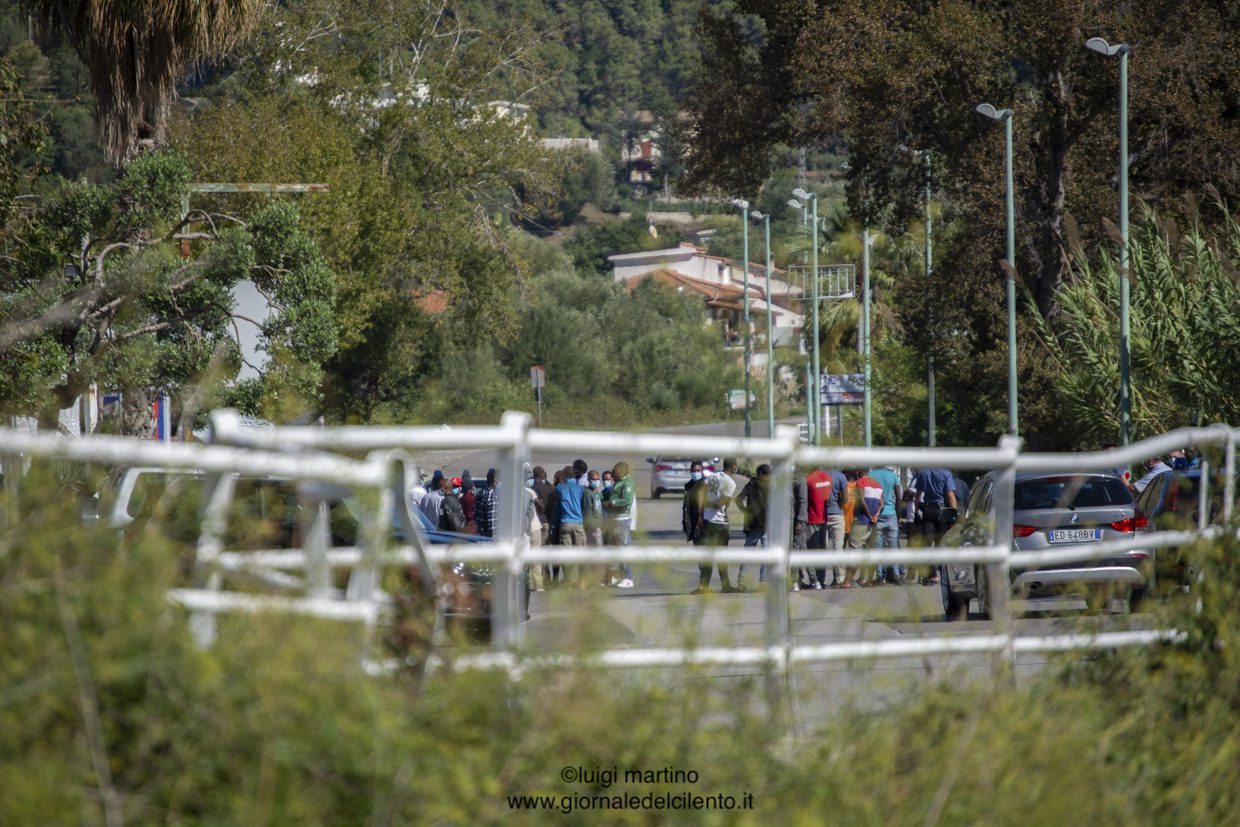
x,y
809,379
1100,46
743,206
770,328
812,198
1005,115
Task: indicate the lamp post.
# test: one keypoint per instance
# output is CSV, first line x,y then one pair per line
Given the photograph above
x,y
1100,46
770,334
812,198
743,205
1005,116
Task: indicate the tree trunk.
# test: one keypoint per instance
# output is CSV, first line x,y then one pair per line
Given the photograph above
x,y
137,418
1052,261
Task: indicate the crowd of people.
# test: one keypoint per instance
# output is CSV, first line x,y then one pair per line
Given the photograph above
x,y
578,506
833,509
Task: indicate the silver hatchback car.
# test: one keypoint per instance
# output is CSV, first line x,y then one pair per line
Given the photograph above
x,y
1052,510
671,473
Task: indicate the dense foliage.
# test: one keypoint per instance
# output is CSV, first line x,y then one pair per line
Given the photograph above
x,y
105,288
893,77
109,714
1185,339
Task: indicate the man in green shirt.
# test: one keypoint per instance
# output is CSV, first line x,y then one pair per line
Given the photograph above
x,y
618,503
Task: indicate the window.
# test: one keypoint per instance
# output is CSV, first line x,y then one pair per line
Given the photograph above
x,y
1071,492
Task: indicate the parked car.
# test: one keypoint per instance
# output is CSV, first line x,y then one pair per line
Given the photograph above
x,y
1172,501
1052,510
672,473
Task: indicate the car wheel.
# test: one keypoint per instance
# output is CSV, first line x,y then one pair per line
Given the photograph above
x,y
953,607
1135,598
982,579
655,492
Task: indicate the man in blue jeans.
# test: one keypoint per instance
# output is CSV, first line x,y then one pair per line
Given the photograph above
x,y
887,534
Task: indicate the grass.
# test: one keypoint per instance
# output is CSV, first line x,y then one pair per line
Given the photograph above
x,y
278,725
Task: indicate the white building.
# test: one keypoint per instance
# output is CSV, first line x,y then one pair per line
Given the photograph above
x,y
721,283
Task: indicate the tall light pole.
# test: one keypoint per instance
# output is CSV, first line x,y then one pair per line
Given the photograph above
x,y
1100,46
812,198
1005,116
743,205
866,241
770,329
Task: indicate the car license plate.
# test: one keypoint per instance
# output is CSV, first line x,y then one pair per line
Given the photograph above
x,y
1074,535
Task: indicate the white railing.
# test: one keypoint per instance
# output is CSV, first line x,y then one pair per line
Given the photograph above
x,y
835,281
307,454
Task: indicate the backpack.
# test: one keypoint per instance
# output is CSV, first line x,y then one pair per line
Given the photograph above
x,y
451,514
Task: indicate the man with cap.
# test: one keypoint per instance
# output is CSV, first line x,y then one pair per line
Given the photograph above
x,y
468,497
451,514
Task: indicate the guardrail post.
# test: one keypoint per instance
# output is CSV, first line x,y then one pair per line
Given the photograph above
x,y
376,529
998,574
779,543
219,488
1229,477
11,469
1203,495
508,585
316,528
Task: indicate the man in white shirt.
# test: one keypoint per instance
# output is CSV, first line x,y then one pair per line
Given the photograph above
x,y
1153,467
432,502
720,490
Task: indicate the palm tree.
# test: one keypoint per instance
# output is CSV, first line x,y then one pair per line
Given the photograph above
x,y
136,51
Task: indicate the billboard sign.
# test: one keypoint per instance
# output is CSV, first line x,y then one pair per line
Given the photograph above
x,y
843,389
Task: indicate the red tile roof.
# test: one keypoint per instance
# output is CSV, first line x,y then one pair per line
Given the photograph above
x,y
433,303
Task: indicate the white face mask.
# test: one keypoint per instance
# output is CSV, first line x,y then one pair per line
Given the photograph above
x,y
696,475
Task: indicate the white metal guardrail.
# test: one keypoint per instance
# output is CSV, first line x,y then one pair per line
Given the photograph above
x,y
325,455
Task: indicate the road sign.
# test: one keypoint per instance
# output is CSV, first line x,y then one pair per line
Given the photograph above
x,y
736,399
538,377
843,389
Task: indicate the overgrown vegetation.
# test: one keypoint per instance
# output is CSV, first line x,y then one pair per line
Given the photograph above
x,y
107,708
1185,340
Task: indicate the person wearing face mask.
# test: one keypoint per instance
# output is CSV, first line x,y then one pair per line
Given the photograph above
x,y
694,502
618,504
451,513
592,515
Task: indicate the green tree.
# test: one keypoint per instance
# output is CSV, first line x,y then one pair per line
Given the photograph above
x,y
102,292
886,75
